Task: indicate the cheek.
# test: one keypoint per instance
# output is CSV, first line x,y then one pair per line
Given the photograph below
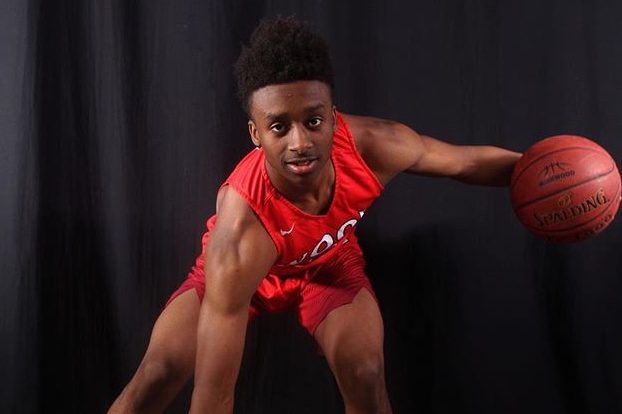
x,y
273,156
328,143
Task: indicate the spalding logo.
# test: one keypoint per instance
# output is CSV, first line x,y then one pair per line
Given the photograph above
x,y
568,211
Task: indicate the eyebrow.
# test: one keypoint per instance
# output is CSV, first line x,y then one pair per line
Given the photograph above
x,y
311,108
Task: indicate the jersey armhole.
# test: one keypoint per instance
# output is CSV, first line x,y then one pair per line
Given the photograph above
x,y
352,145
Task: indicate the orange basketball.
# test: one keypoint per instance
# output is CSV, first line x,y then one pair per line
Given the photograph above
x,y
565,188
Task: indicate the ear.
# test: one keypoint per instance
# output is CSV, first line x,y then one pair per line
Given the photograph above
x,y
334,112
252,130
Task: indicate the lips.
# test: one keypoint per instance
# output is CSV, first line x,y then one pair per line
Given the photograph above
x,y
301,166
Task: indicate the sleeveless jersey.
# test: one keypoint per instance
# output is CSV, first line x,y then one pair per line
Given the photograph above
x,y
305,240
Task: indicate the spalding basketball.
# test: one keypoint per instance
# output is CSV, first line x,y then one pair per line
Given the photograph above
x,y
565,188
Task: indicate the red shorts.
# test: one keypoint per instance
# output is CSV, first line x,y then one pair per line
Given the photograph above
x,y
313,293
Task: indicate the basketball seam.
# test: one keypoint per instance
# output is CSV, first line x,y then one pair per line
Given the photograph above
x,y
546,155
535,200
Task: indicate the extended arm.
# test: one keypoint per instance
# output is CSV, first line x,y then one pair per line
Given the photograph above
x,y
239,254
390,148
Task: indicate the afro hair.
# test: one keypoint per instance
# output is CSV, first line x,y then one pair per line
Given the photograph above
x,y
281,51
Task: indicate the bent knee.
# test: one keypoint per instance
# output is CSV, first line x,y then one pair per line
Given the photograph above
x,y
152,387
365,373
157,372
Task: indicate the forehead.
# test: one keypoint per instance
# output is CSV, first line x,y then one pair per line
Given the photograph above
x,y
290,98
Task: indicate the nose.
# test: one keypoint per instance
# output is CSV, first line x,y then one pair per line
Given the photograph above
x,y
300,140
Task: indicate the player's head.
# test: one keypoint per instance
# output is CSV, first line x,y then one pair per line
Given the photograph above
x,y
280,51
285,83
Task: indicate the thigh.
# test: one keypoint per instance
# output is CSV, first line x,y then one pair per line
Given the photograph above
x,y
169,360
353,332
331,286
173,338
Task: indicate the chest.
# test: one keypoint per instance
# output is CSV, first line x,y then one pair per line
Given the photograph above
x,y
305,239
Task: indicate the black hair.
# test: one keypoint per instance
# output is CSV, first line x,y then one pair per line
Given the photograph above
x,y
280,51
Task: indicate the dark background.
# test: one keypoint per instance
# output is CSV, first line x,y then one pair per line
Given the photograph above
x,y
118,121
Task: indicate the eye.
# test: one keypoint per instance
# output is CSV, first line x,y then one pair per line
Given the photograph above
x,y
278,128
315,122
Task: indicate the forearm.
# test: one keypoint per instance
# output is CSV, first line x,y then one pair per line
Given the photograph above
x,y
220,345
487,165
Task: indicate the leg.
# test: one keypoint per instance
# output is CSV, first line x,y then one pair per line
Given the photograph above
x,y
351,336
169,361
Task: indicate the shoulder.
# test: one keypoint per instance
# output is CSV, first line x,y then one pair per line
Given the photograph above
x,y
381,143
371,133
237,222
231,204
367,130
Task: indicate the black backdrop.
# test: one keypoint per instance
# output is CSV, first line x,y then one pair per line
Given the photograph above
x,y
118,121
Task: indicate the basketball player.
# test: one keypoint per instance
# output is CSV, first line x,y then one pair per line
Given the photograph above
x,y
283,233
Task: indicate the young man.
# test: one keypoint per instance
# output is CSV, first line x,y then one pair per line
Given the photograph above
x,y
283,233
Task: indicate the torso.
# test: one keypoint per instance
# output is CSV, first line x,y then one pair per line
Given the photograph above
x,y
308,232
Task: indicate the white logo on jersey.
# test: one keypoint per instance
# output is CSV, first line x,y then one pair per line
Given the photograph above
x,y
327,241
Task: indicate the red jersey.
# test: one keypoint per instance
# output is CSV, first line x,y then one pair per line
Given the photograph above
x,y
304,240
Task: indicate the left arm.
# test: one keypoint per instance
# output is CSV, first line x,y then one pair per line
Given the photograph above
x,y
390,148
472,164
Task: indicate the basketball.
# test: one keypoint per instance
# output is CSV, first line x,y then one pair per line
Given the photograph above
x,y
565,189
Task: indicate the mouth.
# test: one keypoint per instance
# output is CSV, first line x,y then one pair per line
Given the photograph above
x,y
301,166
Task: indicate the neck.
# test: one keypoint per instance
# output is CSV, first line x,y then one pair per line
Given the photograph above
x,y
312,196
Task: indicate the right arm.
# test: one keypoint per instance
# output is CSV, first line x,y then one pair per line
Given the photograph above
x,y
239,254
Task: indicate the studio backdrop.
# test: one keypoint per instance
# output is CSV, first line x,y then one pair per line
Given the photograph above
x,y
118,122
